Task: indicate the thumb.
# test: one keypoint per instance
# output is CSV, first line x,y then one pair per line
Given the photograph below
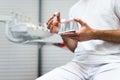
x,y
80,21
58,17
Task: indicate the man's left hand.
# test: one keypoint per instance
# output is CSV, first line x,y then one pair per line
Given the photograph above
x,y
83,34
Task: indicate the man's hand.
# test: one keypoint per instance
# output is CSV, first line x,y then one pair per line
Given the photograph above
x,y
53,25
83,34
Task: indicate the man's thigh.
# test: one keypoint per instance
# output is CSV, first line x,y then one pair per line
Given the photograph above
x,y
63,73
108,72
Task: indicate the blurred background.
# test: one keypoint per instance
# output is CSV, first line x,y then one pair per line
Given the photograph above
x,y
29,61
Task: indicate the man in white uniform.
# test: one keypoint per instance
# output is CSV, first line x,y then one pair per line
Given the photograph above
x,y
96,45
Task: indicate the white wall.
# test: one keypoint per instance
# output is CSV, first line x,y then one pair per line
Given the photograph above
x,y
17,61
53,56
51,6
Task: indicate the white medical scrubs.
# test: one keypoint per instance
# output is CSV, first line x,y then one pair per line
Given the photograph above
x,y
93,59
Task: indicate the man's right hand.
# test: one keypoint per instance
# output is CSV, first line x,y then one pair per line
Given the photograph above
x,y
53,25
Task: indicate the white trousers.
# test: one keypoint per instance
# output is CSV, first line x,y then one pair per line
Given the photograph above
x,y
76,71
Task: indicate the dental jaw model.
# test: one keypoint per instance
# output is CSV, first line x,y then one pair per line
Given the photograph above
x,y
67,25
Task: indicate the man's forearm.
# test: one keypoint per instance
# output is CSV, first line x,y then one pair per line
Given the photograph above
x,y
71,44
107,35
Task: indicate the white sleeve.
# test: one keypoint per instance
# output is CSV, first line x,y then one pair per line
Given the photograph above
x,y
117,8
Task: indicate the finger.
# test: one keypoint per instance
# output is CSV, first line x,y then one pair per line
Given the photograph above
x,y
80,21
51,18
74,38
58,17
55,23
51,28
69,34
49,24
71,37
